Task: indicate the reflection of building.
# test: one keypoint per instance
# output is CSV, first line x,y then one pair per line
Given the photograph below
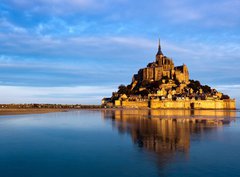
x,y
162,131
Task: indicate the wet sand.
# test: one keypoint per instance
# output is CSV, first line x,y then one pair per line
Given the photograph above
x,y
29,111
15,111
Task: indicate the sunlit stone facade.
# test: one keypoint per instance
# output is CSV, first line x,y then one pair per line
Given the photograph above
x,y
163,66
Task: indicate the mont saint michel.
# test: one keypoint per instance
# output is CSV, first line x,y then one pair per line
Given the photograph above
x,y
163,85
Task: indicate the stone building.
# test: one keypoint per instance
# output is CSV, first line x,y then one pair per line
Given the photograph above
x,y
161,85
162,67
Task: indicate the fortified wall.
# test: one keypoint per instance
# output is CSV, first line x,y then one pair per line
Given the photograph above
x,y
179,104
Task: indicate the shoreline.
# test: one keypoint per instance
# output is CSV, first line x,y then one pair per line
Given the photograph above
x,y
19,111
14,111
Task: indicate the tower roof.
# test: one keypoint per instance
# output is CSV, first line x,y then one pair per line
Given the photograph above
x,y
159,49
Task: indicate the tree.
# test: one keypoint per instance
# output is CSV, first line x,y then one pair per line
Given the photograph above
x,y
195,85
144,93
225,97
122,89
206,89
155,84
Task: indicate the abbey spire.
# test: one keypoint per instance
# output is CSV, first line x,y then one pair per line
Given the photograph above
x,y
159,49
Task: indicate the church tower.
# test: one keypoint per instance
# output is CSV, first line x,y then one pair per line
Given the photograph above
x,y
159,53
163,61
159,56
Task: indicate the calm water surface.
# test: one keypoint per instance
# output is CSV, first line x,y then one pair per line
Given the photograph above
x,y
121,143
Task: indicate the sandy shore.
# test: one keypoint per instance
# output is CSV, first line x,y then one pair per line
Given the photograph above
x,y
14,111
29,111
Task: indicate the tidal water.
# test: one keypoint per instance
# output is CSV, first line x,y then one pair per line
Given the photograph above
x,y
125,143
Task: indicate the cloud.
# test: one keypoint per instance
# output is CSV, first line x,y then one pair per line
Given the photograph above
x,y
70,46
205,14
5,59
8,27
77,95
54,6
90,42
232,90
31,72
105,45
57,26
181,11
77,59
214,13
61,7
64,95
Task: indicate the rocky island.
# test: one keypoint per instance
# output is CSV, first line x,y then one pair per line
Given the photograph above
x,y
165,86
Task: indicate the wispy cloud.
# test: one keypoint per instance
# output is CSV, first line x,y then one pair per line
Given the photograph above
x,y
64,95
60,46
54,6
62,7
83,55
76,95
8,27
214,13
103,42
28,71
232,90
181,11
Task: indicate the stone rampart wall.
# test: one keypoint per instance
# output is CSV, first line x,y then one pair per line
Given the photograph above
x,y
168,104
135,104
215,104
181,104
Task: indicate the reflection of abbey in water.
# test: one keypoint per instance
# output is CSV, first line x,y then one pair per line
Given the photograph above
x,y
161,84
160,132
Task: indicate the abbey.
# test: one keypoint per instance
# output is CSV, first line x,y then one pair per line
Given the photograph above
x,y
162,85
163,67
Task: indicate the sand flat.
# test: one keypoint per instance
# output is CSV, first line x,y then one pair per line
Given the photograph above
x,y
15,111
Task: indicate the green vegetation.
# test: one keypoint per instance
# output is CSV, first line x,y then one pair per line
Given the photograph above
x,y
143,93
196,85
225,97
122,89
152,87
206,89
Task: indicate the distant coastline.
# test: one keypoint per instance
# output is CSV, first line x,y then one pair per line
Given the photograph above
x,y
16,109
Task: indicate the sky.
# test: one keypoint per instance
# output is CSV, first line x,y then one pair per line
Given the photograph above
x,y
78,51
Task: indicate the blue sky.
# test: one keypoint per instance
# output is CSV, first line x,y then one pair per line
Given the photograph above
x,y
79,51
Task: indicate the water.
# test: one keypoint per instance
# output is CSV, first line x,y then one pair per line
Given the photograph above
x,y
121,143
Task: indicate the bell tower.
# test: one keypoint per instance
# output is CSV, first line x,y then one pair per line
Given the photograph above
x,y
159,49
159,56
